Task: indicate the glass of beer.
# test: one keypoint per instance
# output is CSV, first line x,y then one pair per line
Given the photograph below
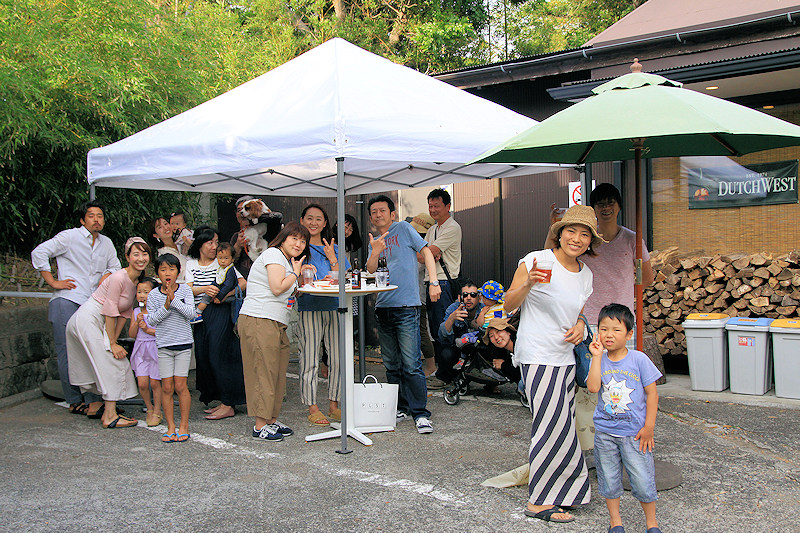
x,y
545,266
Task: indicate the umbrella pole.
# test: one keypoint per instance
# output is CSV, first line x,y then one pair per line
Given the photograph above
x,y
343,307
638,288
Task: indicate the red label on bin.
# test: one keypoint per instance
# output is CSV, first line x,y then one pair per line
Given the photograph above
x,y
747,341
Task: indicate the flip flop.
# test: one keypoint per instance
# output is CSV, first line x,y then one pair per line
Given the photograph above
x,y
78,408
183,437
97,415
115,423
547,515
618,529
168,438
653,530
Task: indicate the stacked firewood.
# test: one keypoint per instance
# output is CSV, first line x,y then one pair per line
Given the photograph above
x,y
756,285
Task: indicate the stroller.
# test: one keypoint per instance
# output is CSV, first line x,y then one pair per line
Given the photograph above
x,y
474,367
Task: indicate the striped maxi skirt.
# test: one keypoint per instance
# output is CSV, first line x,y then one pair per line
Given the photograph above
x,y
558,473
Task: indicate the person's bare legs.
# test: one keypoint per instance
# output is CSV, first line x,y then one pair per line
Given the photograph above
x,y
650,514
167,390
184,403
143,383
155,385
613,512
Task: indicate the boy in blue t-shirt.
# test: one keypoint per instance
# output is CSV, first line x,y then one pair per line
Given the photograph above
x,y
627,404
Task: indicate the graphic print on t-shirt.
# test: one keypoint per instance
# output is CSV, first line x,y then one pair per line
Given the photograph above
x,y
616,397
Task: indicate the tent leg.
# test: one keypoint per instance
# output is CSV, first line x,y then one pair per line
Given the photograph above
x,y
343,340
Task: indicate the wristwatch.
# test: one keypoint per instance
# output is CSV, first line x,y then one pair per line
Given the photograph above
x,y
435,283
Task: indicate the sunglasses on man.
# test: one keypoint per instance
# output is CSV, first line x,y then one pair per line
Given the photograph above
x,y
470,294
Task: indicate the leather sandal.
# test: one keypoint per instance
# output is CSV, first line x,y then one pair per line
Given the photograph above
x,y
318,419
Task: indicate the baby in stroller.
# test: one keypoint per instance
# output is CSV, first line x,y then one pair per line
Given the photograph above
x,y
487,359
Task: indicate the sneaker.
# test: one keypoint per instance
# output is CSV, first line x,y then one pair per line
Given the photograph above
x,y
434,383
424,425
458,366
268,432
402,415
197,319
283,429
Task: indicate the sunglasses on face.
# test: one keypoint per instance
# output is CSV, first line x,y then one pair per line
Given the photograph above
x,y
470,294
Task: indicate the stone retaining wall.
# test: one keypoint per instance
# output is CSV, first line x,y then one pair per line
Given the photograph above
x,y
27,351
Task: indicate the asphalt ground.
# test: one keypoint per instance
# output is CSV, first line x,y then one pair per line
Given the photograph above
x,y
739,457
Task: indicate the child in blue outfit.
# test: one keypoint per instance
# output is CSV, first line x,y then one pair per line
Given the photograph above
x,y
625,417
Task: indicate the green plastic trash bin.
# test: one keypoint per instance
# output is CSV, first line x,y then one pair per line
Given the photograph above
x,y
707,350
749,355
786,356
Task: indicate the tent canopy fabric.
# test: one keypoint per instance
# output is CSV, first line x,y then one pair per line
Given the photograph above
x,y
281,133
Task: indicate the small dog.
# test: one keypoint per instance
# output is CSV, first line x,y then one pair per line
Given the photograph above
x,y
254,236
253,209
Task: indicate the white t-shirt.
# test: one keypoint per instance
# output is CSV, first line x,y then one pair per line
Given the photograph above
x,y
259,301
548,311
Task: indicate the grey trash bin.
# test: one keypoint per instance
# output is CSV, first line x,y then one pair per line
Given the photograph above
x,y
749,355
786,356
707,350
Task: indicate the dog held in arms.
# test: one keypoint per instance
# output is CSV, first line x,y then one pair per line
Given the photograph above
x,y
252,210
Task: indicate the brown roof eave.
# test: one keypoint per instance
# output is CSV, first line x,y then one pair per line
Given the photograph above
x,y
594,57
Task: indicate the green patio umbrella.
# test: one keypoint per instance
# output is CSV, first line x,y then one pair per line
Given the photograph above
x,y
644,115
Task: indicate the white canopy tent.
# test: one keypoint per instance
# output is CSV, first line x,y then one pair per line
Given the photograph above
x,y
336,120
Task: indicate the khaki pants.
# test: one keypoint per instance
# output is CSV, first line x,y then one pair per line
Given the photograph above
x,y
265,359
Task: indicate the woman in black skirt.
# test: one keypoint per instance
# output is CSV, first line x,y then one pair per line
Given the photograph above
x,y
216,347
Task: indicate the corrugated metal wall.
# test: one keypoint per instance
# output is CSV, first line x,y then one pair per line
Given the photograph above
x,y
525,207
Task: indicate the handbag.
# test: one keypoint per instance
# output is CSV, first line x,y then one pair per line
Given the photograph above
x,y
375,404
583,357
236,304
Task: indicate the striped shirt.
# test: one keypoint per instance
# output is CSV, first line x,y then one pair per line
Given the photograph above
x,y
200,276
172,325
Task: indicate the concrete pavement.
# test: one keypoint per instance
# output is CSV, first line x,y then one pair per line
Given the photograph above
x,y
739,456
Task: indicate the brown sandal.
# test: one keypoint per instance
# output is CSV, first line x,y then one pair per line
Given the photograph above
x,y
318,419
335,414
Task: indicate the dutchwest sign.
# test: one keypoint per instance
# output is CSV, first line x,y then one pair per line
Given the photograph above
x,y
737,186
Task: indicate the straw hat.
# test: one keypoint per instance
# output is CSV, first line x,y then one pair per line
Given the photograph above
x,y
422,222
497,323
579,214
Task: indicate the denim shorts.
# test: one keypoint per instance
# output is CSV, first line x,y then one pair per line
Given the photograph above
x,y
611,454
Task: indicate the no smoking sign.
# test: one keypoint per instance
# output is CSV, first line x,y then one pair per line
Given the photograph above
x,y
575,192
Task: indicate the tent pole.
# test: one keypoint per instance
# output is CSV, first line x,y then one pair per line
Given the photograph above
x,y
638,288
343,308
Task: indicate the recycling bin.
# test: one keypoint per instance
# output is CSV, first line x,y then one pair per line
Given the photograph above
x,y
707,350
785,335
749,355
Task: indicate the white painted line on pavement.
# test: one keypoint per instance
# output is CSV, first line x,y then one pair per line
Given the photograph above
x,y
407,485
214,442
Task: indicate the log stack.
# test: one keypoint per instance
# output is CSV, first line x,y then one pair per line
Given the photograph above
x,y
755,285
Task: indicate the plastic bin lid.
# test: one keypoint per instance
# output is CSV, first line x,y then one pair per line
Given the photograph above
x,y
748,322
706,316
786,323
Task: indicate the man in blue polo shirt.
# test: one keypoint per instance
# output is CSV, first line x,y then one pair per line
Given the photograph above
x,y
397,311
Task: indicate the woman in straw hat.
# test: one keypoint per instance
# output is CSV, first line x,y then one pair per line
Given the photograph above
x,y
551,287
97,363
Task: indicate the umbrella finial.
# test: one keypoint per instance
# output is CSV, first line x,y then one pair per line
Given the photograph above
x,y
636,66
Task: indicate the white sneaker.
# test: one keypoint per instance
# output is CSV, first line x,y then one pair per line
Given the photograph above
x,y
402,415
424,425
